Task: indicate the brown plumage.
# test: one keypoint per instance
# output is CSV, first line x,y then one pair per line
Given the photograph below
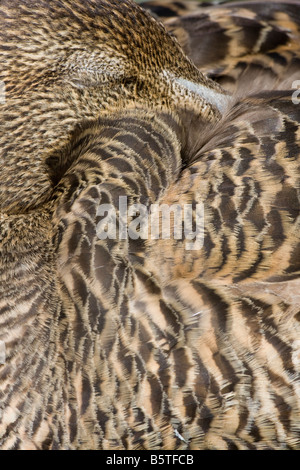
x,y
143,344
246,44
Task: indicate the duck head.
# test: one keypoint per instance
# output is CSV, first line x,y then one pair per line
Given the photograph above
x,y
64,62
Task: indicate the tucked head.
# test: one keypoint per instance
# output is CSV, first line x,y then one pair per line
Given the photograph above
x,y
110,45
64,61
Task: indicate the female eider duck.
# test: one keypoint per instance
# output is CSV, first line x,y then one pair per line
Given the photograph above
x,y
110,339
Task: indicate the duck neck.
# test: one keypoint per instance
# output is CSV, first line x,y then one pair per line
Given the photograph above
x,y
133,153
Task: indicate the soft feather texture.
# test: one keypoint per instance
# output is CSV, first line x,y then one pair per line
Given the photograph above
x,y
142,344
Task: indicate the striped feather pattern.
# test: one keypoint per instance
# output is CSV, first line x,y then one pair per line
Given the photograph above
x,y
246,44
143,344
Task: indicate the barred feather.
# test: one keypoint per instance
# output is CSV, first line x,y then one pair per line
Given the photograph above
x,y
143,344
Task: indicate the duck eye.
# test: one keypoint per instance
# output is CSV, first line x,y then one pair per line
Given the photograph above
x,y
129,81
84,69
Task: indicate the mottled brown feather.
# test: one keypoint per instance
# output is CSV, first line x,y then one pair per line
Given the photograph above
x,y
142,344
